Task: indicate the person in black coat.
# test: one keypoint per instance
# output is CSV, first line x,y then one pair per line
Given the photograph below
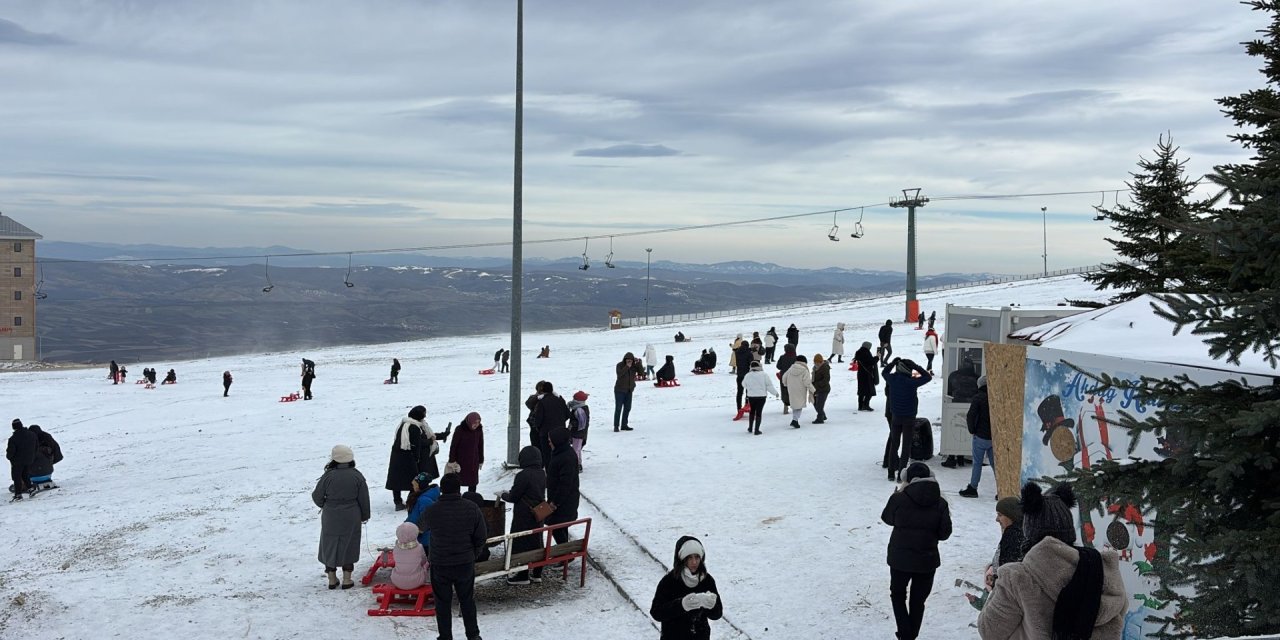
x,y
308,374
21,453
550,411
686,598
562,482
886,334
868,376
395,371
528,489
48,453
115,373
226,382
920,519
979,423
711,358
785,361
742,357
457,538
793,335
407,450
506,360
668,370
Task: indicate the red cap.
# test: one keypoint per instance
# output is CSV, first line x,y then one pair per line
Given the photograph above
x,y
580,396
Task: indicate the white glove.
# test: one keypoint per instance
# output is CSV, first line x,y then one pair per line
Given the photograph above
x,y
691,602
707,600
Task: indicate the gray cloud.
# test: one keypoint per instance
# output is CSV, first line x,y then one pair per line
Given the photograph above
x,y
13,33
628,151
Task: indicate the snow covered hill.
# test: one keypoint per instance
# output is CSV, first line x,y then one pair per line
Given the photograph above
x,y
184,513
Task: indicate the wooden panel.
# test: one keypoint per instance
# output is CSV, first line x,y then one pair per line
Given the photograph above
x,y
1006,385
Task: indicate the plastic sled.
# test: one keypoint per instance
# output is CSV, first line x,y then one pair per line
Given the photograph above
x,y
486,372
742,413
667,383
291,397
420,601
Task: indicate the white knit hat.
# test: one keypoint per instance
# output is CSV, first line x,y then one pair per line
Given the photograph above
x,y
342,454
690,548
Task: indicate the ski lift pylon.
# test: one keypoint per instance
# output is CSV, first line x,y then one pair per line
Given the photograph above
x,y
586,262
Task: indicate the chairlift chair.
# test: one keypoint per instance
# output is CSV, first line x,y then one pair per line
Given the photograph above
x,y
608,260
40,295
347,279
857,226
834,233
1099,206
586,262
267,270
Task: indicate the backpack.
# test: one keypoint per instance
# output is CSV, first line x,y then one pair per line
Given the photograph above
x,y
577,423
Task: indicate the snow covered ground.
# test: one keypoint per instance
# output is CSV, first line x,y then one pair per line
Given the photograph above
x,y
184,513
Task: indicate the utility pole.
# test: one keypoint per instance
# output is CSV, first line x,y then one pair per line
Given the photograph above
x,y
647,259
517,253
910,201
1044,215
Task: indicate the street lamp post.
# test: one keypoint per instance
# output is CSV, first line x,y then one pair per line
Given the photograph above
x,y
1045,229
648,258
517,252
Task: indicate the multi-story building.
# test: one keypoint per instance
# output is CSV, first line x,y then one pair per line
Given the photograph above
x,y
17,290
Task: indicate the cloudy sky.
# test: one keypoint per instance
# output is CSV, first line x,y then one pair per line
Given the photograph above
x,y
339,125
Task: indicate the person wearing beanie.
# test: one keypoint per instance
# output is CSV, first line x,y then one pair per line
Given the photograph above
x,y
1057,590
623,388
466,451
979,420
741,359
799,384
837,344
562,482
528,490
1009,517
408,449
410,571
757,385
821,387
793,335
902,379
457,537
868,376
885,351
579,422
667,372
21,453
783,365
686,599
343,497
424,494
920,519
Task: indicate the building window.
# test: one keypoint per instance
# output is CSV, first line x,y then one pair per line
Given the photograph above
x,y
17,272
17,321
17,247
17,295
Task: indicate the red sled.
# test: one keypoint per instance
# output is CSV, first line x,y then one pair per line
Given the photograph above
x,y
420,601
853,366
384,560
742,412
291,397
486,372
667,383
142,381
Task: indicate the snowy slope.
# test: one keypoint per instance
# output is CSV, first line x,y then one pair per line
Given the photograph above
x,y
183,512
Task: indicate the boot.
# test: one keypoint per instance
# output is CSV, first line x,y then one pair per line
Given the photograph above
x,y
757,431
969,491
786,409
347,583
950,462
333,578
795,425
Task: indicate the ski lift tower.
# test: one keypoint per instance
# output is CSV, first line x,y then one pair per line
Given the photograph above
x,y
911,199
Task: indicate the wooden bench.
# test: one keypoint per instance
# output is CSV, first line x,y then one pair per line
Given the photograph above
x,y
550,553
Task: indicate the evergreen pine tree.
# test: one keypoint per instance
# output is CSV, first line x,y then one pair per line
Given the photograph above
x,y
1216,494
1159,251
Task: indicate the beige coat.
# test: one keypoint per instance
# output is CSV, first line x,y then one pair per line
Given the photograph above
x,y
1021,607
799,384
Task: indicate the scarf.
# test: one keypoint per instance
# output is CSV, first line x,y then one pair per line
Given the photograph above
x,y
407,545
405,442
1078,602
690,580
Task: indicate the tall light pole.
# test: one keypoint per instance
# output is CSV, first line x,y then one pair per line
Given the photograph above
x,y
1045,221
648,257
910,201
517,253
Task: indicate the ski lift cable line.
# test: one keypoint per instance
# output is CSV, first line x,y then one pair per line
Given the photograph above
x,y
507,243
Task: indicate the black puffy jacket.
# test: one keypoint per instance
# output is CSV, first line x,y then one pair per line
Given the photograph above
x,y
920,519
562,484
979,416
457,530
527,490
22,446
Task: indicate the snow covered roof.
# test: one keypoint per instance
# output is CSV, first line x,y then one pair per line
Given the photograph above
x,y
1133,330
11,229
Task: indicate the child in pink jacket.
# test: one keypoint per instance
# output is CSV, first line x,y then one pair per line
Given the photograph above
x,y
411,567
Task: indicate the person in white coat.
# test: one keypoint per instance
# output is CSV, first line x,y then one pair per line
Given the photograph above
x,y
650,359
799,382
837,344
930,348
757,385
770,341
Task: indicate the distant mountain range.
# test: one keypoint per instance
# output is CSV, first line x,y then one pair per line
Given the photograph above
x,y
203,303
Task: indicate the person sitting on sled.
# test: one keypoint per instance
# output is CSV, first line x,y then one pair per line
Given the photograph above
x,y
667,372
